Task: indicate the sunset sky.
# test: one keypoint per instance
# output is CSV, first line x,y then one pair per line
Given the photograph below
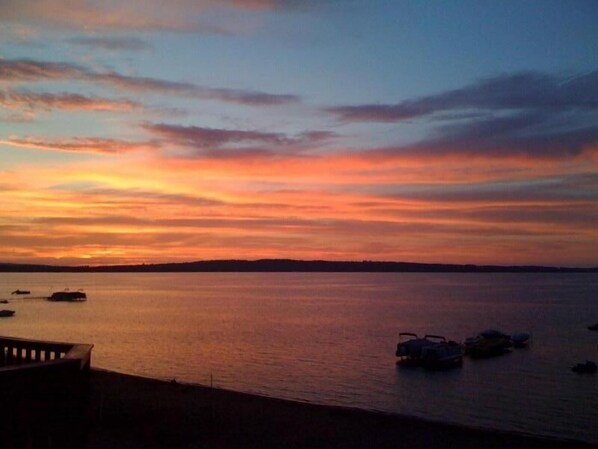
x,y
423,131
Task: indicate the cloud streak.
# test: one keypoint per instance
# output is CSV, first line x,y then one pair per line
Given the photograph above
x,y
27,70
205,139
523,91
195,16
111,43
530,114
79,145
100,206
15,99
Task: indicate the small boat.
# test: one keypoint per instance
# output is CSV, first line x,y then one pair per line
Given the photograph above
x,y
488,343
442,355
588,367
6,313
3,301
593,327
410,347
21,292
69,296
520,339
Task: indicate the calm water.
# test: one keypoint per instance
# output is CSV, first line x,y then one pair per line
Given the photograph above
x,y
330,338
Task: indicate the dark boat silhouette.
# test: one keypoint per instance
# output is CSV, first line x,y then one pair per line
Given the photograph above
x,y
68,296
488,343
21,292
520,339
6,313
588,367
431,351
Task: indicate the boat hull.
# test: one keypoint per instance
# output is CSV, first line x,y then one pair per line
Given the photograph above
x,y
68,296
442,356
488,344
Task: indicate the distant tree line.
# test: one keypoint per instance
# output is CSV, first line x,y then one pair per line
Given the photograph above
x,y
291,265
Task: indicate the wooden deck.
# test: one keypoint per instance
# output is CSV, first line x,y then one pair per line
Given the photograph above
x,y
16,352
44,390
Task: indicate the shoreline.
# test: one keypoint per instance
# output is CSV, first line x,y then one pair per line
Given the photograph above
x,y
292,266
138,412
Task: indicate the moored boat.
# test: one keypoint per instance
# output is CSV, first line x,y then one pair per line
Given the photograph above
x,y
588,367
410,349
521,339
68,296
21,292
488,343
443,355
6,313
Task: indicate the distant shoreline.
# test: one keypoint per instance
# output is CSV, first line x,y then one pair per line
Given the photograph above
x,y
290,265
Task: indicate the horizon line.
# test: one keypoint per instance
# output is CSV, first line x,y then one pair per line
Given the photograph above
x,y
270,264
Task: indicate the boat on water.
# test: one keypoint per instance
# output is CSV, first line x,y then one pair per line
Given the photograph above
x,y
6,313
68,296
521,339
588,367
21,292
409,348
430,351
488,343
442,355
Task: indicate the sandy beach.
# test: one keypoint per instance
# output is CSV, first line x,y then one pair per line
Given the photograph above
x,y
132,412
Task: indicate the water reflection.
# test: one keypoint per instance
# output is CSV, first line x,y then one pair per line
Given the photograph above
x,y
331,338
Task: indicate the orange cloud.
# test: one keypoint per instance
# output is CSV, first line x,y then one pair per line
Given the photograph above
x,y
140,210
177,15
78,145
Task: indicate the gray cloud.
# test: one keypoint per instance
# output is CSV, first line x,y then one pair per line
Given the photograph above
x,y
231,143
537,191
27,70
523,91
18,99
199,137
530,114
111,43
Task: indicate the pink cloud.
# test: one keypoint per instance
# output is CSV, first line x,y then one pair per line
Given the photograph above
x,y
177,15
13,99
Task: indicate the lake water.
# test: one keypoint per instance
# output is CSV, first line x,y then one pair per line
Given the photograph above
x,y
330,338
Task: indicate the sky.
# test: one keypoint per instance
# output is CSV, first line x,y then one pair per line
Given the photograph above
x,y
419,131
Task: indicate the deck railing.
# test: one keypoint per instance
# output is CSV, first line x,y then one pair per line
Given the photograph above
x,y
44,388
42,362
17,352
